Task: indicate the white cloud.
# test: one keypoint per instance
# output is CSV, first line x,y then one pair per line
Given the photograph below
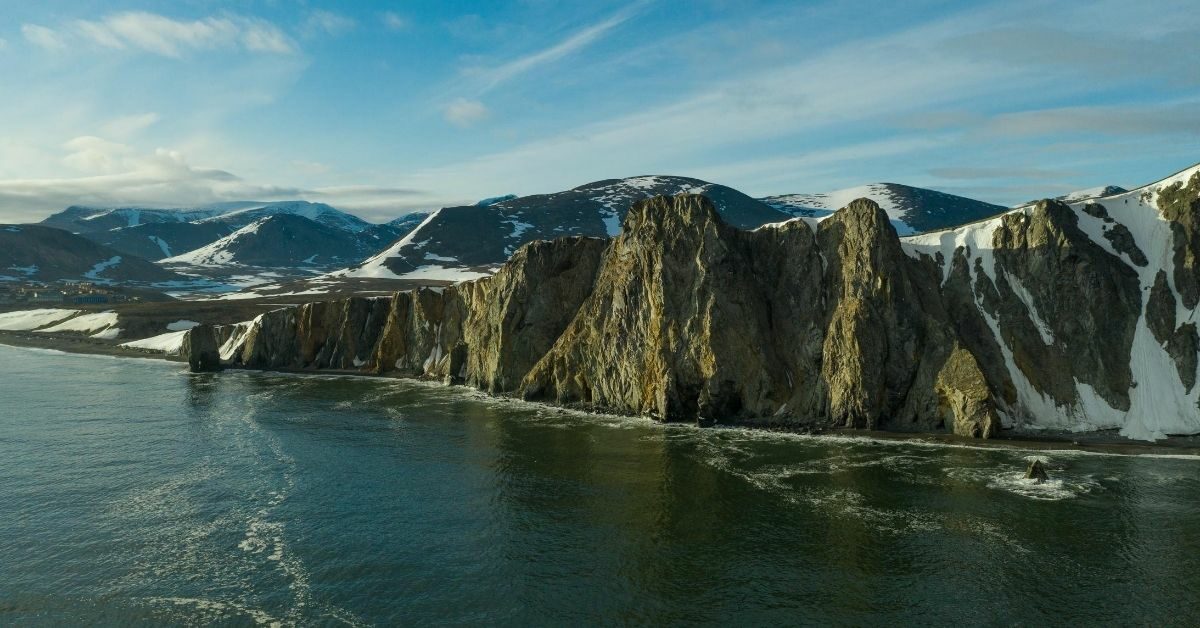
x,y
3,43
393,21
1176,119
111,174
328,23
125,126
160,35
462,112
43,37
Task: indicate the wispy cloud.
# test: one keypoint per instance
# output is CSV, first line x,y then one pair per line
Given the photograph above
x,y
161,35
43,37
1152,119
975,173
393,21
124,126
490,78
321,22
462,112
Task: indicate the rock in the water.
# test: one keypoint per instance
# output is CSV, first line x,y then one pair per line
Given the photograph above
x,y
201,350
1036,471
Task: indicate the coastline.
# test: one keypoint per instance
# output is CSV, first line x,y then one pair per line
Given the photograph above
x,y
1105,442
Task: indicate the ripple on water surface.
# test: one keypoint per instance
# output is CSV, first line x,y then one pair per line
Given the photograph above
x,y
142,495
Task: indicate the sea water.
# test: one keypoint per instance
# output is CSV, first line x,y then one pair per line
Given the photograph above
x,y
132,492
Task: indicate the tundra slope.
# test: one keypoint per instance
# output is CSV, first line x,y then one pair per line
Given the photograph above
x,y
1076,317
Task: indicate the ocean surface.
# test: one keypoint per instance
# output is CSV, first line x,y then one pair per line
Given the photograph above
x,y
132,493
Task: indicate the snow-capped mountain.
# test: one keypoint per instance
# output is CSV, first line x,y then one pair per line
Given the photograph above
x,y
1096,192
161,233
83,219
316,212
911,209
287,240
458,242
408,222
1041,282
39,253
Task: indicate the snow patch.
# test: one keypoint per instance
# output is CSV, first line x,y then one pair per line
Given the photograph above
x,y
162,245
170,343
94,273
26,320
85,323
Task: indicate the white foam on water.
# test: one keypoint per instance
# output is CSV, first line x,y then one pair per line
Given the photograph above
x,y
211,611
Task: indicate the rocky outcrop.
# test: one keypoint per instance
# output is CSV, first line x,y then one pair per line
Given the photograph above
x,y
1056,293
201,348
1181,343
1023,318
1180,204
681,317
339,335
964,398
1036,471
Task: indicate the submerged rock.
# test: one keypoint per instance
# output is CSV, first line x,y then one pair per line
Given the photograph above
x,y
1036,471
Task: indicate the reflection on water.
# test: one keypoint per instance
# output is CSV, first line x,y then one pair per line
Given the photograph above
x,y
136,493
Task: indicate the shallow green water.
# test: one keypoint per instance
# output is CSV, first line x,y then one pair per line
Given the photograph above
x,y
131,492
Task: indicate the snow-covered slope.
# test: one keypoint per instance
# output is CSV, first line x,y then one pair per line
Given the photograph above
x,y
911,209
1133,229
27,320
158,234
83,219
284,241
1096,192
458,243
317,212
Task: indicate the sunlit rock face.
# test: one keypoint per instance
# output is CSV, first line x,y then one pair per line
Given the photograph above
x,y
1054,315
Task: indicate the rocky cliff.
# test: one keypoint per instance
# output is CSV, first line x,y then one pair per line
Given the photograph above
x,y
1052,315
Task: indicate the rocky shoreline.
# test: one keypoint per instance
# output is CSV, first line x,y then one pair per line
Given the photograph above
x,y
1047,320
1106,442
810,326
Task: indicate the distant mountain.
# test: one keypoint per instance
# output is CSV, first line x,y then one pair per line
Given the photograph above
x,y
158,240
40,253
1096,192
288,240
156,233
457,242
910,209
408,222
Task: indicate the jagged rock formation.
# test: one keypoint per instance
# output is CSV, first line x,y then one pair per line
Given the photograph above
x,y
200,347
1036,318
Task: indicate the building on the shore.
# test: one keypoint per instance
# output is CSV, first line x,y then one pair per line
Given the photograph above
x,y
88,299
47,296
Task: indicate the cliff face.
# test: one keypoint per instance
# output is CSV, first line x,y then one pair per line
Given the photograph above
x,y
690,319
1049,316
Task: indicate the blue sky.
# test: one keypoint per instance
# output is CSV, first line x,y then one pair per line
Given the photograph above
x,y
387,107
